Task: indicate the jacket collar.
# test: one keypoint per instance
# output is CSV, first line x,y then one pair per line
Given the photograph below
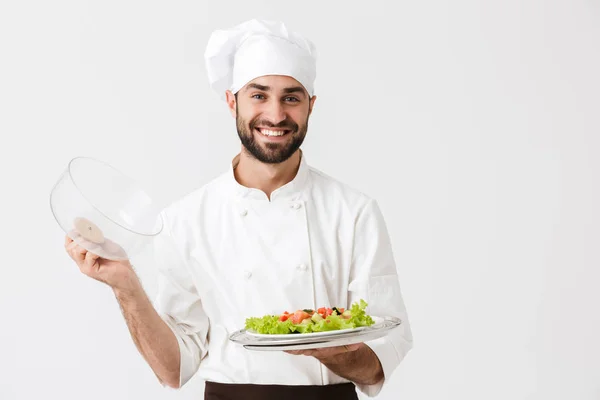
x,y
290,191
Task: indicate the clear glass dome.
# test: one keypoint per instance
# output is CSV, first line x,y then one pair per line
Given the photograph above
x,y
103,210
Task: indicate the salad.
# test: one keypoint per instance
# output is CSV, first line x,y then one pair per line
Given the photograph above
x,y
308,320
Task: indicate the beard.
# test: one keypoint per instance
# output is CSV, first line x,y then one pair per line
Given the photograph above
x,y
271,153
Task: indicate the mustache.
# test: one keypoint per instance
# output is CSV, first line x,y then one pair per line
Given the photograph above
x,y
285,124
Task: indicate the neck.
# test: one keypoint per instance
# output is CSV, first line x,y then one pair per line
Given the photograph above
x,y
254,174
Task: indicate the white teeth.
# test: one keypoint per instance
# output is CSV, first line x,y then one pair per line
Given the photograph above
x,y
271,133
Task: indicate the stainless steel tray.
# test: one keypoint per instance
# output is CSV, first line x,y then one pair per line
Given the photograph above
x,y
302,341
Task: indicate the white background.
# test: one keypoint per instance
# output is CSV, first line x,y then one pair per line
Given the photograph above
x,y
474,123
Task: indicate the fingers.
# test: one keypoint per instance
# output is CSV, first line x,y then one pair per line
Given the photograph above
x,y
87,261
76,252
347,348
92,257
299,352
326,351
352,347
330,351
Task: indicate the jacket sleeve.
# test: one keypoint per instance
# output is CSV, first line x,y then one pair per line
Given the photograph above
x,y
374,278
178,303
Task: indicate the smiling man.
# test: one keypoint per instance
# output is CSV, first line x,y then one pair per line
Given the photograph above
x,y
270,234
279,135
272,117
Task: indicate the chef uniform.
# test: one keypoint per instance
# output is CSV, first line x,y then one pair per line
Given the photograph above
x,y
228,252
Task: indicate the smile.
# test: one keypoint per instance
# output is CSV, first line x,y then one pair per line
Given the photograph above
x,y
272,132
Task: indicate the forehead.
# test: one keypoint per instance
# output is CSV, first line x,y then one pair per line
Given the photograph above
x,y
275,82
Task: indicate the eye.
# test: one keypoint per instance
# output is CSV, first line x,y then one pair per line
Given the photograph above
x,y
258,96
291,99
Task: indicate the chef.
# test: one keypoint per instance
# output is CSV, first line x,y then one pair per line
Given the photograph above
x,y
271,234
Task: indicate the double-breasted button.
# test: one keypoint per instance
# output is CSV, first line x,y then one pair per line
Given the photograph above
x,y
302,267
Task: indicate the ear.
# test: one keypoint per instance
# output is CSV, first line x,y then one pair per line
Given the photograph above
x,y
311,104
230,98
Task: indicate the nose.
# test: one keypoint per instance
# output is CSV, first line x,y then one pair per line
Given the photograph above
x,y
275,113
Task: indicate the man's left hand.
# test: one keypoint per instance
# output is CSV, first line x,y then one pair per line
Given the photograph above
x,y
355,362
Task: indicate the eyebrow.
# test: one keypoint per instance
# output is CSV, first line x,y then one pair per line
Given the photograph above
x,y
288,90
259,87
294,89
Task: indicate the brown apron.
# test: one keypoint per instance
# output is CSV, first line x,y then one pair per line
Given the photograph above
x,y
238,391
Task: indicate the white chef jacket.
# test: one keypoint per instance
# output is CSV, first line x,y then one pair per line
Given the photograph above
x,y
227,253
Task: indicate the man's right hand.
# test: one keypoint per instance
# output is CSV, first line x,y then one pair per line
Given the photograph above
x,y
151,335
119,275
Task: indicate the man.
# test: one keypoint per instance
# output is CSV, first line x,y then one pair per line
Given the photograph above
x,y
271,234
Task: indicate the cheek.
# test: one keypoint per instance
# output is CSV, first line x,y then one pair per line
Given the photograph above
x,y
246,112
248,117
299,116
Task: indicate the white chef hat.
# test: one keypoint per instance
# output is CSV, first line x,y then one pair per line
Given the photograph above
x,y
256,48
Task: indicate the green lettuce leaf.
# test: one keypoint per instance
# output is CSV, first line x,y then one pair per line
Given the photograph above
x,y
270,324
359,316
333,323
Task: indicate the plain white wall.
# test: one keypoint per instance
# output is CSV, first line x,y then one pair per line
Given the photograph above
x,y
475,124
